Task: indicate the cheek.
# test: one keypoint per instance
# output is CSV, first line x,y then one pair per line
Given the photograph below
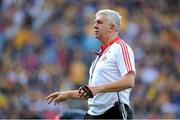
x,y
104,29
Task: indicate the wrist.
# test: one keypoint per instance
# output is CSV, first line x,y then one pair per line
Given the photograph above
x,y
71,94
96,89
100,89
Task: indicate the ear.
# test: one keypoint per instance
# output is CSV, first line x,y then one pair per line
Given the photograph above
x,y
112,27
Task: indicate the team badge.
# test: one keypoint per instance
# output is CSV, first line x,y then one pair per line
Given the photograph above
x,y
104,58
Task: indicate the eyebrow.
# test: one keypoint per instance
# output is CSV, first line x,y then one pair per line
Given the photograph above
x,y
98,21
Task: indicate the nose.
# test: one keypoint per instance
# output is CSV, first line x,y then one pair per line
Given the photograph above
x,y
95,26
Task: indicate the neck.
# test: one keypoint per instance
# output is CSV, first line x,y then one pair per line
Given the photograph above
x,y
112,37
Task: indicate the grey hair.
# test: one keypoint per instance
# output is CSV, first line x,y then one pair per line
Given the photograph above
x,y
112,16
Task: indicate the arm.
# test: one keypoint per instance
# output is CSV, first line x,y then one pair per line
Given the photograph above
x,y
124,59
125,82
58,97
73,94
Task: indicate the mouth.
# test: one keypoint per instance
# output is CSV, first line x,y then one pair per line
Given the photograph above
x,y
96,32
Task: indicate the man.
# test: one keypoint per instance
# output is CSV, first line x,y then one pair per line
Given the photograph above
x,y
112,73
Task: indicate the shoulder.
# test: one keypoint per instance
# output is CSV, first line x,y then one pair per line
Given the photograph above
x,y
122,46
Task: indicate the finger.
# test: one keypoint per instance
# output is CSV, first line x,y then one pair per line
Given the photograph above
x,y
88,91
80,90
85,97
50,96
56,100
50,100
82,94
53,95
85,92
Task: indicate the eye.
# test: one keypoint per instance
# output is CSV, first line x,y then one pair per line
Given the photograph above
x,y
99,22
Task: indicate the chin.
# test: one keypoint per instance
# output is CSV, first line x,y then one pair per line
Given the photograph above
x,y
97,37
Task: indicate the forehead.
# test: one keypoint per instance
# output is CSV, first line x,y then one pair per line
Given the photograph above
x,y
101,17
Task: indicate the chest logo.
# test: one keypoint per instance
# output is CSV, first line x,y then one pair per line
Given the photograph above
x,y
104,58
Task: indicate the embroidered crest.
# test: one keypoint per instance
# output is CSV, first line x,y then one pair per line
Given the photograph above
x,y
104,58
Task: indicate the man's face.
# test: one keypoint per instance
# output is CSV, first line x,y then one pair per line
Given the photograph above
x,y
101,27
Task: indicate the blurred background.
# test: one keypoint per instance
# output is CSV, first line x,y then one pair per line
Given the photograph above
x,y
46,46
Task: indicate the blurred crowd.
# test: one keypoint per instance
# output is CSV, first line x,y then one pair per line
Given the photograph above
x,y
47,45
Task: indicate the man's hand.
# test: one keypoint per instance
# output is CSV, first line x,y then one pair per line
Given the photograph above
x,y
87,92
58,97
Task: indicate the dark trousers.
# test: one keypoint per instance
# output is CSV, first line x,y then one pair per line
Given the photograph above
x,y
112,113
